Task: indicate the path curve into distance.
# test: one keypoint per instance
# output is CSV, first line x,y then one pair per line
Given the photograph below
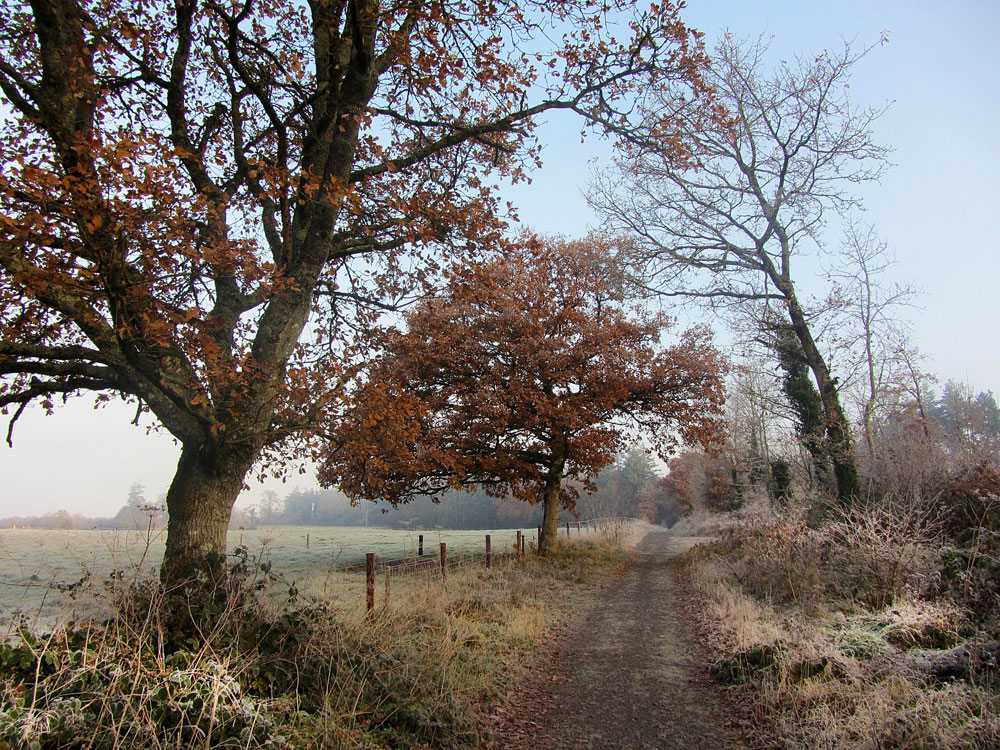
x,y
634,677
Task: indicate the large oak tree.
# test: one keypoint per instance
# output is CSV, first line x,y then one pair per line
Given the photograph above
x,y
190,185
526,371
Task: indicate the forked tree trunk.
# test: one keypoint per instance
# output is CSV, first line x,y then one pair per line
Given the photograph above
x,y
200,502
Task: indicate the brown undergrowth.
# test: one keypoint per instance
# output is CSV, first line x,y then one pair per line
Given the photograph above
x,y
266,667
856,634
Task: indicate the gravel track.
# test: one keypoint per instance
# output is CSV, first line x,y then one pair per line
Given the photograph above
x,y
632,677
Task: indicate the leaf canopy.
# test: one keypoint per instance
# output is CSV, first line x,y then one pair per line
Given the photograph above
x,y
531,363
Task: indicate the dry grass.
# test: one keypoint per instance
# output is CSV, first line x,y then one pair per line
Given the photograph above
x,y
820,631
260,670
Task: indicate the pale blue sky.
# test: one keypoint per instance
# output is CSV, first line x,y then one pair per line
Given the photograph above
x,y
936,208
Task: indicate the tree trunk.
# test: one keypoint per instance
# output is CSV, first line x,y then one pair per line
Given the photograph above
x,y
799,386
867,417
199,502
550,503
869,407
838,431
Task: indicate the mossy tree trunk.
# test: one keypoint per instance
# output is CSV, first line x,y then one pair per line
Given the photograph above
x,y
839,443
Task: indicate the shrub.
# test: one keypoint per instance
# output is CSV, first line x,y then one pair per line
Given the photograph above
x,y
782,562
81,686
886,549
780,486
972,501
846,673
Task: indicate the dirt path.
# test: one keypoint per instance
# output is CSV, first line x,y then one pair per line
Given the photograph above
x,y
634,678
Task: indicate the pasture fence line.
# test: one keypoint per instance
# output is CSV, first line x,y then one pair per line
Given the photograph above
x,y
392,568
423,553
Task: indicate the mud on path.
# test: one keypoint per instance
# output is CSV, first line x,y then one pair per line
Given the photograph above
x,y
632,677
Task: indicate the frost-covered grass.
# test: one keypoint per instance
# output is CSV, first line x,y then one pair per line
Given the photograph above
x,y
46,574
258,668
825,635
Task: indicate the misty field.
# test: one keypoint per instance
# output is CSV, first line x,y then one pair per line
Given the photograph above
x,y
40,568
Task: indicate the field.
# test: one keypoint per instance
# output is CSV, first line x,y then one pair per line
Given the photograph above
x,y
39,568
424,668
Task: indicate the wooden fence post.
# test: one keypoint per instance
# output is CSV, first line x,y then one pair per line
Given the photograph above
x,y
307,542
517,544
388,578
370,582
567,528
578,532
524,539
420,546
489,553
444,561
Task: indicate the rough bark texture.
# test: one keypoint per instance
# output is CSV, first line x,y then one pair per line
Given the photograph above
x,y
550,500
200,501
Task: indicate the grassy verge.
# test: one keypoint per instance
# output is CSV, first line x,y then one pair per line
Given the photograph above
x,y
849,636
259,669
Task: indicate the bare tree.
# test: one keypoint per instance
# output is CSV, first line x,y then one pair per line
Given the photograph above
x,y
873,333
726,229
755,413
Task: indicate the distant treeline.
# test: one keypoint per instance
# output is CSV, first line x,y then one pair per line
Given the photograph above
x,y
620,490
61,519
453,510
136,513
626,488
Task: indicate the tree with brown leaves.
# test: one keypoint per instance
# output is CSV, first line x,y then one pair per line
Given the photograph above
x,y
188,186
528,370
